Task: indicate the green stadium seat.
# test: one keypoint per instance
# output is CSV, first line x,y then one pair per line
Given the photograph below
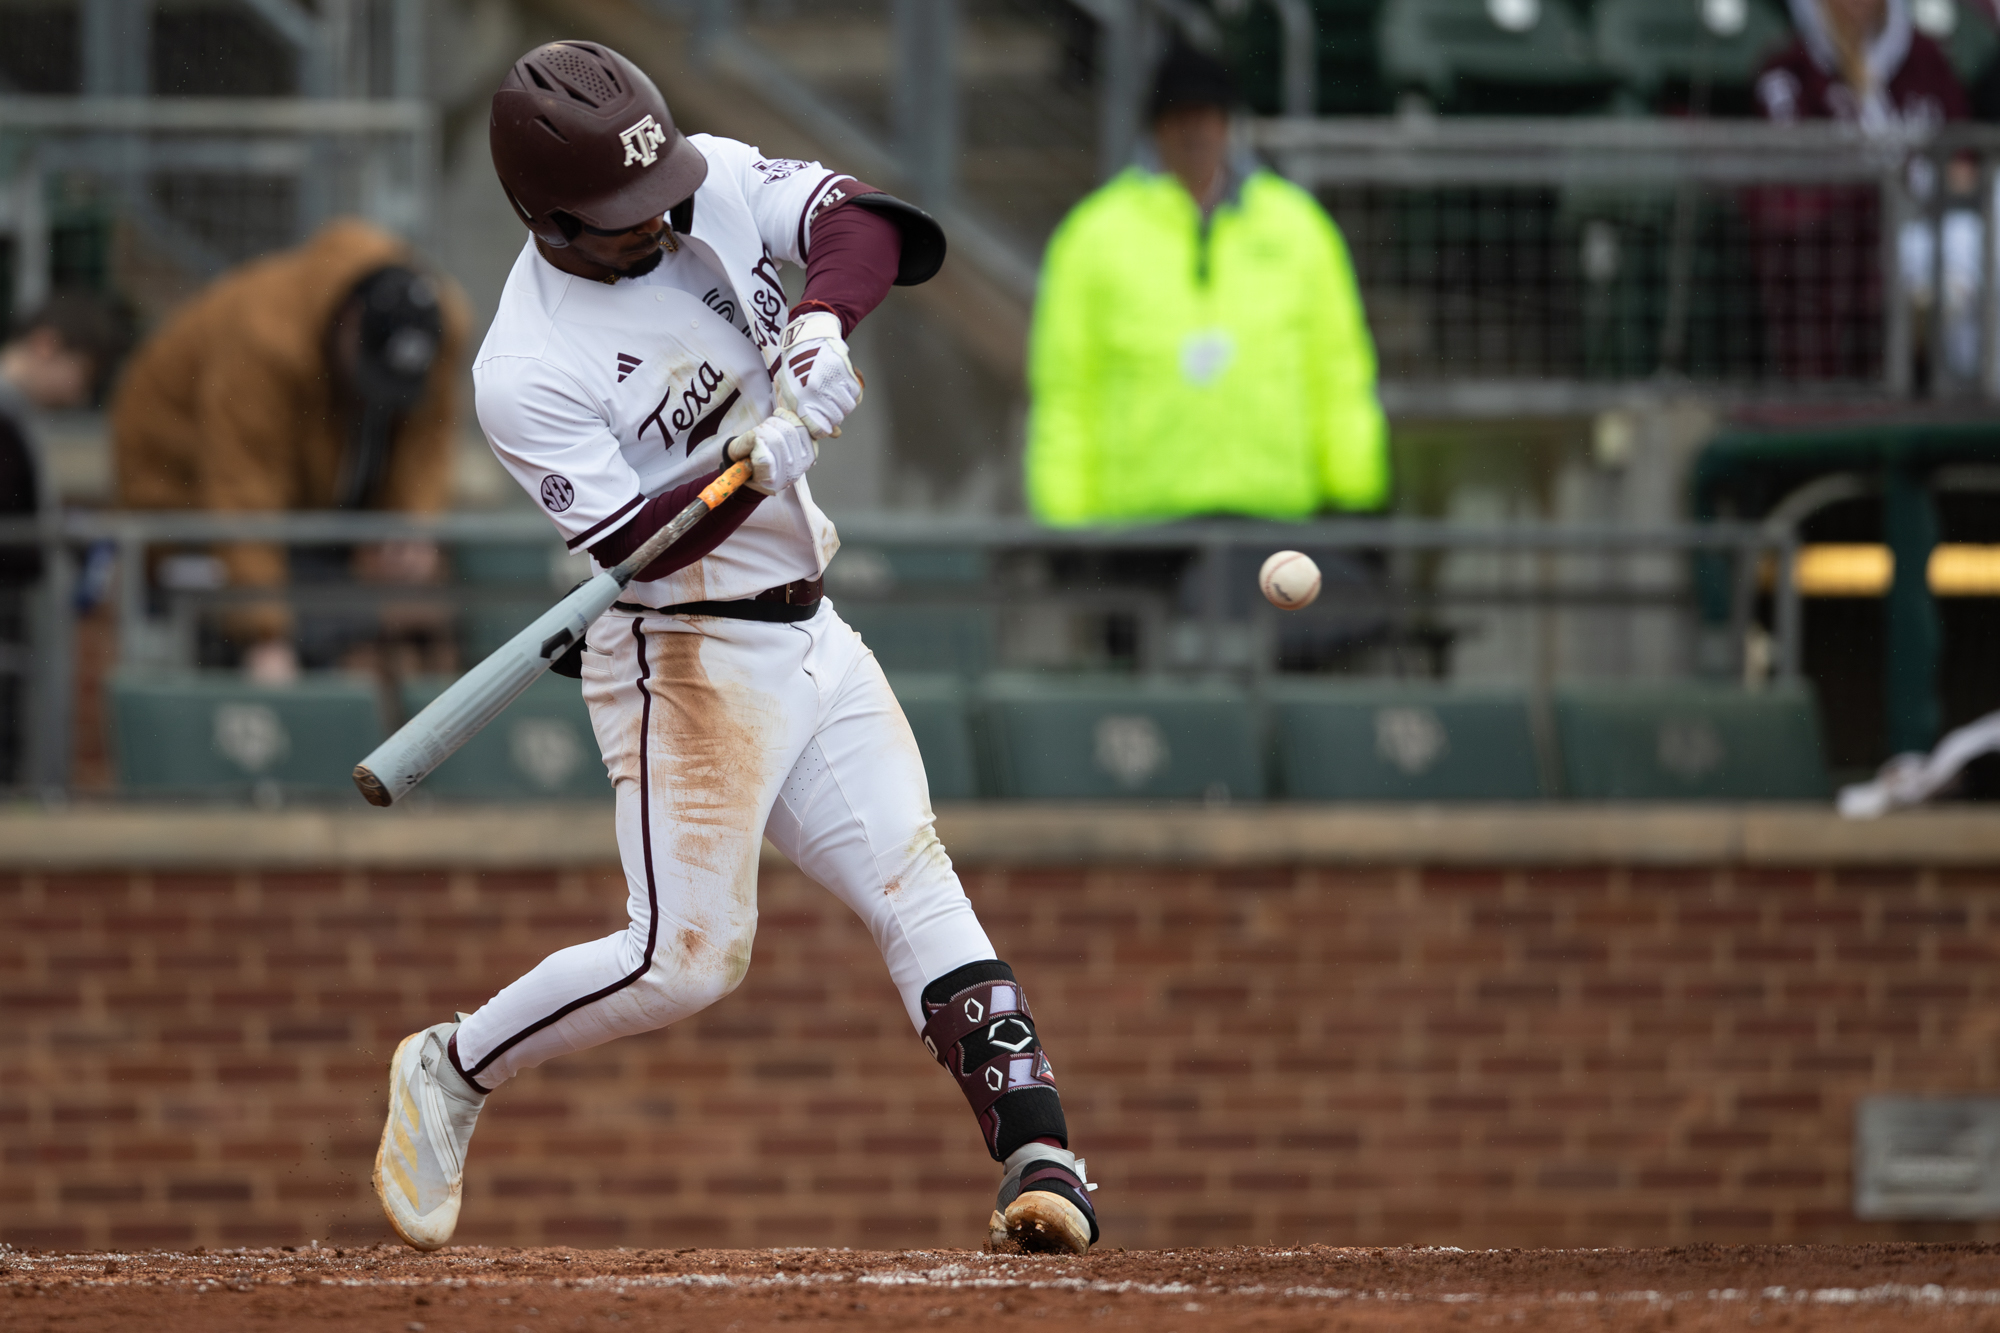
x,y
862,567
1652,43
214,734
1690,743
1056,738
932,638
503,562
935,704
1451,48
541,748
1972,41
1396,742
524,567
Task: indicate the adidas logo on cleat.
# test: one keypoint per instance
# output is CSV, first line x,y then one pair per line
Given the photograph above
x,y
627,363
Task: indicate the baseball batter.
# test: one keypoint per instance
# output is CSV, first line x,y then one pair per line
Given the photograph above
x,y
643,339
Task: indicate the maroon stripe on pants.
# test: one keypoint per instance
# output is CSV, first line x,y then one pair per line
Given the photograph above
x,y
652,888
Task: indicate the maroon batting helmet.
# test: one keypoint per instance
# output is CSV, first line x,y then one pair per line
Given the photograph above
x,y
582,138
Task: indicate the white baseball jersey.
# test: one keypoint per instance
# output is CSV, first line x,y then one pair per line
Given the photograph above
x,y
599,396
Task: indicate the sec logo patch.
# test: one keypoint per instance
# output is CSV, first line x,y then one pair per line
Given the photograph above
x,y
557,493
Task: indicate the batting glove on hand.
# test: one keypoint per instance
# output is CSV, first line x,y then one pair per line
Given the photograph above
x,y
779,449
815,378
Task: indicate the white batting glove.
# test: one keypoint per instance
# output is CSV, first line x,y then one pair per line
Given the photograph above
x,y
780,450
815,378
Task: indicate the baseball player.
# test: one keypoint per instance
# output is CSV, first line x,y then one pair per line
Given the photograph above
x,y
642,341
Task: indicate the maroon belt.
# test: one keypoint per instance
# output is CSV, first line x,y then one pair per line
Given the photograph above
x,y
787,603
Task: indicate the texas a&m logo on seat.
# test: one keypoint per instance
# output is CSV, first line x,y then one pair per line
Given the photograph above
x,y
642,140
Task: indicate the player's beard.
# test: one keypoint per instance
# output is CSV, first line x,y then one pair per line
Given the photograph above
x,y
646,265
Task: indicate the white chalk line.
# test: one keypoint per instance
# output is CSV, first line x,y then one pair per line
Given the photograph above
x,y
87,1271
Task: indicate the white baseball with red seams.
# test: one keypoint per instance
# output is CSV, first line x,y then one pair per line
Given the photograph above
x,y
717,733
1289,580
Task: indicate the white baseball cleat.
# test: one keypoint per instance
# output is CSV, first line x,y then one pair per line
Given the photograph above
x,y
1044,1204
420,1167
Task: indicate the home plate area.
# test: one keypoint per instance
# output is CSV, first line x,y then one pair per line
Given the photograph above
x,y
741,1291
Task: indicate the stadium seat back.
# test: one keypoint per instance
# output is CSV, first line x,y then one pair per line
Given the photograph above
x,y
1362,742
1648,43
1972,41
541,748
936,707
215,734
528,574
1438,44
920,638
504,562
1053,738
1690,743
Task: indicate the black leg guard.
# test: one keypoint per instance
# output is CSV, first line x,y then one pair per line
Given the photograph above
x,y
979,1028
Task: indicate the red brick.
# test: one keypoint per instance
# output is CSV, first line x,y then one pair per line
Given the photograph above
x,y
96,889
1681,1179
1518,991
150,1235
1578,1176
1732,1219
1513,918
1463,883
208,1191
1876,879
1624,990
1564,882
1648,880
1273,879
1469,1103
1784,1178
1796,1101
1717,916
280,888
53,999
532,1187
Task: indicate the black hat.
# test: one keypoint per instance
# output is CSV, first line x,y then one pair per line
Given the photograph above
x,y
402,329
1190,78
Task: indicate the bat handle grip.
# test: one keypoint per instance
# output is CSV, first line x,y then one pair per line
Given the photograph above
x,y
726,485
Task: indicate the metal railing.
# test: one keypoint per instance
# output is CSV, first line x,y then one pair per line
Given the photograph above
x,y
1432,576
211,181
1578,258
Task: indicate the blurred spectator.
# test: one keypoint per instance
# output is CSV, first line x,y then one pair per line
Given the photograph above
x,y
320,378
1198,342
1818,248
57,359
1860,61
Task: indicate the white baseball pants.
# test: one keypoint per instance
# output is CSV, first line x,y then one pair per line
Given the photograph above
x,y
717,733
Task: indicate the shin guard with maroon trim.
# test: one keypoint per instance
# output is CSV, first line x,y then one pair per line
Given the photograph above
x,y
979,1028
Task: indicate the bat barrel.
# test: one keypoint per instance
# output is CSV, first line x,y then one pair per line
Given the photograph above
x,y
479,696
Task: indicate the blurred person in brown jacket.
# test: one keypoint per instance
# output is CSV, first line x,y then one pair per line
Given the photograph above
x,y
323,377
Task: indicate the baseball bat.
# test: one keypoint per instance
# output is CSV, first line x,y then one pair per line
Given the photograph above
x,y
477,697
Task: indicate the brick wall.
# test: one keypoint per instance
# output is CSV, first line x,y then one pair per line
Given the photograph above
x,y
1400,1054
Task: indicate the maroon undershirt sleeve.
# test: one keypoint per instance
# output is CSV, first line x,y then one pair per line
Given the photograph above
x,y
656,513
851,262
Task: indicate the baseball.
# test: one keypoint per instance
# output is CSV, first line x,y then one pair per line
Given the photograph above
x,y
1290,580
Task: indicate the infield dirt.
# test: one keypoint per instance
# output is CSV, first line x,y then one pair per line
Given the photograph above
x,y
746,1291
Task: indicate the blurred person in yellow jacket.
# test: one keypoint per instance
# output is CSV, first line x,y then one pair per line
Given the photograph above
x,y
1198,344
323,377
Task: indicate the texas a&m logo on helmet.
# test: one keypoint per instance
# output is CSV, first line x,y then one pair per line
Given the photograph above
x,y
642,140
